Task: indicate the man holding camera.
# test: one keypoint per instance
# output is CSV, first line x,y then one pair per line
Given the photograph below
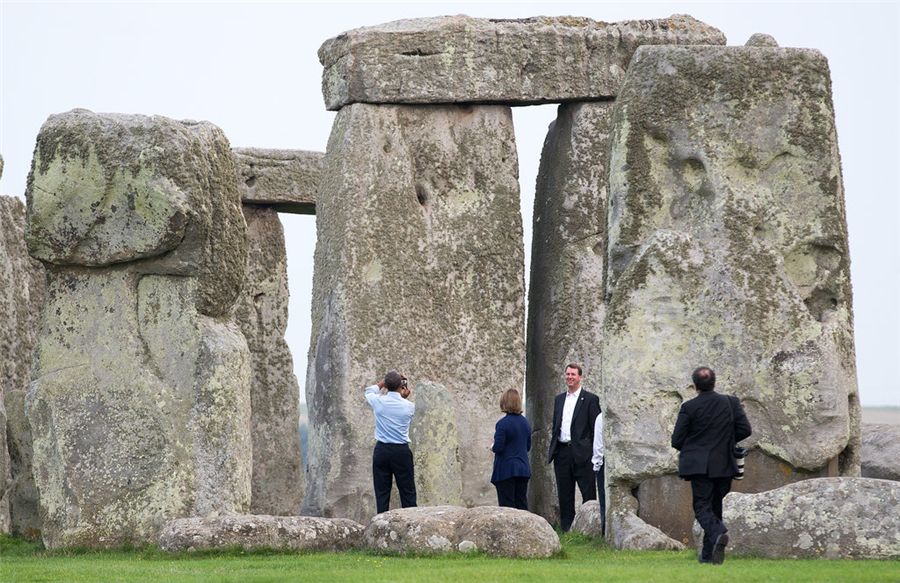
x,y
705,434
392,458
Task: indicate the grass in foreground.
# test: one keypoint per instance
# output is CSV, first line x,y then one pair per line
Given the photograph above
x,y
581,560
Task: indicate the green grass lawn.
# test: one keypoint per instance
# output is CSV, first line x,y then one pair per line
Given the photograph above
x,y
581,560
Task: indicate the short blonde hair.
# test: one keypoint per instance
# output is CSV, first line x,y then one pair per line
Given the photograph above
x,y
511,402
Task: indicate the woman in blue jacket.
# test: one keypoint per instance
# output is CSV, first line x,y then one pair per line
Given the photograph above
x,y
512,442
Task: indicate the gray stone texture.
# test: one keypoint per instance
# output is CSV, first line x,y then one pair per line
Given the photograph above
x,y
459,59
728,247
435,446
495,531
627,531
881,451
117,188
566,306
22,294
418,267
286,180
139,401
262,313
830,518
588,520
255,532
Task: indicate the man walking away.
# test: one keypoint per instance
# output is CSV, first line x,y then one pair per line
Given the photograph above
x,y
705,434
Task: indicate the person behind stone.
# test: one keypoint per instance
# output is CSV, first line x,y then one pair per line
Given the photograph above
x,y
705,434
599,471
512,442
392,458
571,444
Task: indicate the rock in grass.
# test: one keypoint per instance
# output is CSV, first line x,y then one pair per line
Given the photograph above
x,y
250,532
501,532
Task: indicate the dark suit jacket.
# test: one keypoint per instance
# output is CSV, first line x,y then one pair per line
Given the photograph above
x,y
512,442
707,428
586,410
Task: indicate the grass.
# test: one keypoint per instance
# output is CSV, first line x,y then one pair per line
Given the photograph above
x,y
581,560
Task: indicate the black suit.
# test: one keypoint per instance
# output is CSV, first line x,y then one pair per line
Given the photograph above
x,y
572,460
706,431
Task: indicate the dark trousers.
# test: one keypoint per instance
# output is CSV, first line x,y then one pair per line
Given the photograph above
x,y
513,493
708,494
393,461
568,473
601,496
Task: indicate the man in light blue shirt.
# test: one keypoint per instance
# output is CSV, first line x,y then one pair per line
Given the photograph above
x,y
392,458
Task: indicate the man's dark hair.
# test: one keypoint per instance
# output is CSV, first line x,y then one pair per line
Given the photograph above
x,y
704,378
576,366
392,380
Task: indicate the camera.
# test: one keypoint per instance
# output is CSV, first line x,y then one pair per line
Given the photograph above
x,y
740,453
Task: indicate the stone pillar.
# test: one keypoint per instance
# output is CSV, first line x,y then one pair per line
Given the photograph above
x,y
566,306
139,401
727,248
419,267
22,295
262,312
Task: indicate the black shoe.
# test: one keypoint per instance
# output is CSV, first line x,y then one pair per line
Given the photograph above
x,y
718,553
702,559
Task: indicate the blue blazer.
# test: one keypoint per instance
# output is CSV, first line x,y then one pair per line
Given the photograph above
x,y
512,442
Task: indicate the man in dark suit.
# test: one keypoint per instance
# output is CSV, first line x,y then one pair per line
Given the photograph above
x,y
705,434
571,444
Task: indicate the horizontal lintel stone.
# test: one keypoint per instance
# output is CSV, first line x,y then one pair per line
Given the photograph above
x,y
459,59
286,180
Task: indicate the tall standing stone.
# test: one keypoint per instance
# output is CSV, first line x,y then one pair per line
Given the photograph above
x,y
22,294
728,248
419,267
262,312
566,307
139,402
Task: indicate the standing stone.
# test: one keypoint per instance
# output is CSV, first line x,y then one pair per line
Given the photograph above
x,y
727,247
435,446
881,451
566,306
262,312
419,267
451,59
139,401
22,295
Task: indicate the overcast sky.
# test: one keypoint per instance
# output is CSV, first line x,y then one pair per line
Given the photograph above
x,y
253,70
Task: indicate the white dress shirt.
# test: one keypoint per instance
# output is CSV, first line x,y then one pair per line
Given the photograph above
x,y
565,428
597,458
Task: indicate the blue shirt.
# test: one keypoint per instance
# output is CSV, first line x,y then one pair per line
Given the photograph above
x,y
393,415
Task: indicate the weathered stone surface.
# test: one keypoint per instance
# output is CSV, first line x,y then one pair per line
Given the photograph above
x,y
435,447
262,313
502,532
139,401
627,531
249,532
881,451
418,267
286,180
728,247
452,59
588,520
666,502
568,253
761,40
22,294
107,188
832,518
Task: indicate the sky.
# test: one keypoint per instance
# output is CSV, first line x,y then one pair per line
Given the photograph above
x,y
253,70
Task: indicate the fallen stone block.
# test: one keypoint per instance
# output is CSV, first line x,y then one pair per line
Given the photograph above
x,y
253,532
881,451
501,532
588,520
